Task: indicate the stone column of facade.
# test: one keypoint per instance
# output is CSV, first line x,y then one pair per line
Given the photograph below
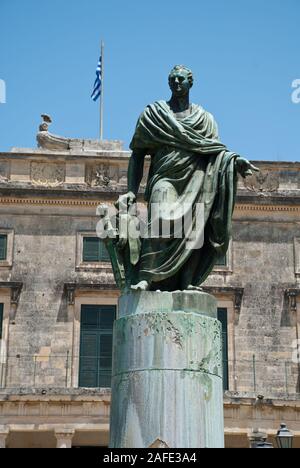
x,y
167,386
64,438
3,437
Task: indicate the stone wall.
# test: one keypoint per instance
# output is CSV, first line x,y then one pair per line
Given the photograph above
x,y
47,207
264,266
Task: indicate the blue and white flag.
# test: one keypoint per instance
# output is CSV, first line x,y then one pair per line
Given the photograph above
x,y
97,86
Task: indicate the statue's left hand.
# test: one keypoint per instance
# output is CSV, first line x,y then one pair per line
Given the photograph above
x,y
244,167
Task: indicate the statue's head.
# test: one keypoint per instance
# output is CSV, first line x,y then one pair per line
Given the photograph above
x,y
180,80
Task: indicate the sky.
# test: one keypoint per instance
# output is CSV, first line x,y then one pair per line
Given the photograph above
x,y
244,55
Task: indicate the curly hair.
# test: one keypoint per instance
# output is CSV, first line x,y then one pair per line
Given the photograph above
x,y
182,67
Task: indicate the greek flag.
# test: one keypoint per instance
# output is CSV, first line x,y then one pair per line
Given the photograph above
x,y
97,86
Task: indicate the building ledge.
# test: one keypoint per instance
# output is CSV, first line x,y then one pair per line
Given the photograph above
x,y
252,399
55,394
100,394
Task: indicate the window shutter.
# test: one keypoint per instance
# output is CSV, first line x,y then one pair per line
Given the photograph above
x,y
103,252
94,250
105,368
91,249
89,317
1,320
3,247
96,345
222,317
107,317
222,261
106,352
88,359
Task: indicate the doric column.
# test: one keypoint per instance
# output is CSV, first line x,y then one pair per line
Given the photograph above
x,y
64,438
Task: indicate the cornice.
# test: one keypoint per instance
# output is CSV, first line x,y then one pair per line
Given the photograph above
x,y
45,201
33,153
257,207
96,198
282,197
236,292
74,156
26,190
71,289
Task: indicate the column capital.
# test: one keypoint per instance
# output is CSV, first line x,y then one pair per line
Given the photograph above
x,y
64,437
4,432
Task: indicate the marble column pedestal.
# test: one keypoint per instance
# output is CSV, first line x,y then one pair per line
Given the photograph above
x,y
167,388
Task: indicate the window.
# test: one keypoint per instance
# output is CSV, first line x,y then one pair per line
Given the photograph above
x,y
1,320
94,250
91,252
6,248
222,261
222,317
95,363
224,264
3,247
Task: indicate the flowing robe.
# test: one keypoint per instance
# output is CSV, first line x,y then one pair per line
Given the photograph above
x,y
189,166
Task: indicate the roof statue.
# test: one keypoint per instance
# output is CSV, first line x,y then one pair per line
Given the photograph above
x,y
50,142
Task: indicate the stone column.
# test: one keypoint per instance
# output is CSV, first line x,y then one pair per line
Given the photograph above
x,y
64,438
3,437
167,388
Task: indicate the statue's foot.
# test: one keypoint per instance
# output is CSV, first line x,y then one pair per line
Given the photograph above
x,y
141,286
194,288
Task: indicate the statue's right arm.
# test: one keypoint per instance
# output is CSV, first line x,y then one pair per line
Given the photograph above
x,y
136,170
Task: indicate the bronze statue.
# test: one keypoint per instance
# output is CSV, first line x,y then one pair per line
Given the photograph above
x,y
189,167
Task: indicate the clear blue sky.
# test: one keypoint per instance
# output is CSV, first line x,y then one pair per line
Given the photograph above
x,y
244,55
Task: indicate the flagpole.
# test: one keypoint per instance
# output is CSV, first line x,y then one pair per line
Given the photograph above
x,y
102,89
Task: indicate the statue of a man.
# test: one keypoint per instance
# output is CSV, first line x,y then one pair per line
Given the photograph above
x,y
189,166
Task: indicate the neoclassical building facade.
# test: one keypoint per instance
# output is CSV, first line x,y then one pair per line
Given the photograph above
x,y
58,299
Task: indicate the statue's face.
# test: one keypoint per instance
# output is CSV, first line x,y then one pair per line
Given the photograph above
x,y
179,83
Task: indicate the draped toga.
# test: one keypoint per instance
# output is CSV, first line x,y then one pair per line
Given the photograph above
x,y
189,166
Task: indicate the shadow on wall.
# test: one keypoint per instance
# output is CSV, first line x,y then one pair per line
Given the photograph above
x,y
62,316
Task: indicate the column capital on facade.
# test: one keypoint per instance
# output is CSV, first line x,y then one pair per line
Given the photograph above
x,y
4,432
63,432
64,437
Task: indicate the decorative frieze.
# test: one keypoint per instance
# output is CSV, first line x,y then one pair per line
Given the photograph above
x,y
106,176
254,207
109,177
263,182
102,175
47,175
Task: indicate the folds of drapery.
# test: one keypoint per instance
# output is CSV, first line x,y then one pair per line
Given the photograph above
x,y
158,126
187,156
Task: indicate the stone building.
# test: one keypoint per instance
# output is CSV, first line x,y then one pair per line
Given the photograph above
x,y
58,298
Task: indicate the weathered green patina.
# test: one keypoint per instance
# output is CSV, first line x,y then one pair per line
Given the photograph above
x,y
167,371
190,167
